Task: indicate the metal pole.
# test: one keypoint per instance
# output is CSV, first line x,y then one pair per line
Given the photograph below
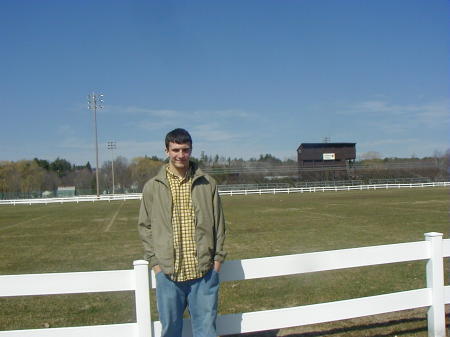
x,y
112,169
112,147
95,102
96,150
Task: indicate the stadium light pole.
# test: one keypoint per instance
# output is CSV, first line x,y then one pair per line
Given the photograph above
x,y
96,102
112,146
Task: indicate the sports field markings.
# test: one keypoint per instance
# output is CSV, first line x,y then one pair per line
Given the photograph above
x,y
107,229
24,222
412,209
324,214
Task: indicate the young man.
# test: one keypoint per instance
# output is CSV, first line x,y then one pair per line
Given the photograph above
x,y
182,227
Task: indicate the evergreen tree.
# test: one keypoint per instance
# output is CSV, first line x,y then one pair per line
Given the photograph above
x,y
61,166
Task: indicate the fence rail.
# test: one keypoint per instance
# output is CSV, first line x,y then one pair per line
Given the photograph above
x,y
137,196
434,296
334,188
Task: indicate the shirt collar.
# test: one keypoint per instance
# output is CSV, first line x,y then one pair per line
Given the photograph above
x,y
187,176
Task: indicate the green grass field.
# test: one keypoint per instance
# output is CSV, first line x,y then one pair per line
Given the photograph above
x,y
103,236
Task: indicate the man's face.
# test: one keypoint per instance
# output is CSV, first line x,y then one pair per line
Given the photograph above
x,y
179,155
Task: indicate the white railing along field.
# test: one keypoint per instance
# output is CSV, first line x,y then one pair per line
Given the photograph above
x,y
334,188
76,199
434,296
135,196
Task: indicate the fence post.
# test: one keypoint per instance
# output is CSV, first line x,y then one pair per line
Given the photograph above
x,y
435,282
142,294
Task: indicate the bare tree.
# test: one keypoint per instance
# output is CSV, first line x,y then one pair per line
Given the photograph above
x,y
142,169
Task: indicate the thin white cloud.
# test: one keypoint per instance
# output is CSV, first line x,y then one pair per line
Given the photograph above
x,y
71,142
210,125
427,111
173,113
384,142
65,130
399,118
371,106
409,147
132,149
377,124
213,132
152,125
135,110
395,129
436,113
227,113
82,151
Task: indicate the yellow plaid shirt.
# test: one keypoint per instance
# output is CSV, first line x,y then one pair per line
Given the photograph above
x,y
186,263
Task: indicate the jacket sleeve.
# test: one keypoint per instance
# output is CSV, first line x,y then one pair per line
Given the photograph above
x,y
145,226
219,220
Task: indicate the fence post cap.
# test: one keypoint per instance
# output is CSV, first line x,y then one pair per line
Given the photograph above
x,y
140,262
433,234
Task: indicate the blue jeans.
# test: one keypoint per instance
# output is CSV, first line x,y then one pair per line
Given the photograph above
x,y
199,295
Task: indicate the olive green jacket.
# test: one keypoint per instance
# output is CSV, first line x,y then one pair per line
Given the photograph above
x,y
155,221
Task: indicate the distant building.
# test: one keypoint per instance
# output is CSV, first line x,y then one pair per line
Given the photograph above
x,y
47,194
323,155
65,191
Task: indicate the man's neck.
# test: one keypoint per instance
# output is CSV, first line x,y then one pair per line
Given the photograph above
x,y
180,172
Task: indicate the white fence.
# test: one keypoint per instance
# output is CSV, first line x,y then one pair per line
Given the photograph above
x,y
134,196
77,199
334,188
434,296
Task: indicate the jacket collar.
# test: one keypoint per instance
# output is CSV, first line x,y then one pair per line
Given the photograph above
x,y
196,173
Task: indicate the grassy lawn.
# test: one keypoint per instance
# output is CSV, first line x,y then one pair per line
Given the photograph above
x,y
103,236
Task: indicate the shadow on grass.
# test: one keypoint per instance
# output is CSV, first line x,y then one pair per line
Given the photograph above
x,y
344,331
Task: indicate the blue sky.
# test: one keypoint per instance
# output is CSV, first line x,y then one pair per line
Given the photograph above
x,y
244,77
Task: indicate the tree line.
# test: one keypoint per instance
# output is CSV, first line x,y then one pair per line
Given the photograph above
x,y
38,175
32,177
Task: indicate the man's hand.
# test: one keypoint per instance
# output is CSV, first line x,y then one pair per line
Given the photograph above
x,y
217,266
